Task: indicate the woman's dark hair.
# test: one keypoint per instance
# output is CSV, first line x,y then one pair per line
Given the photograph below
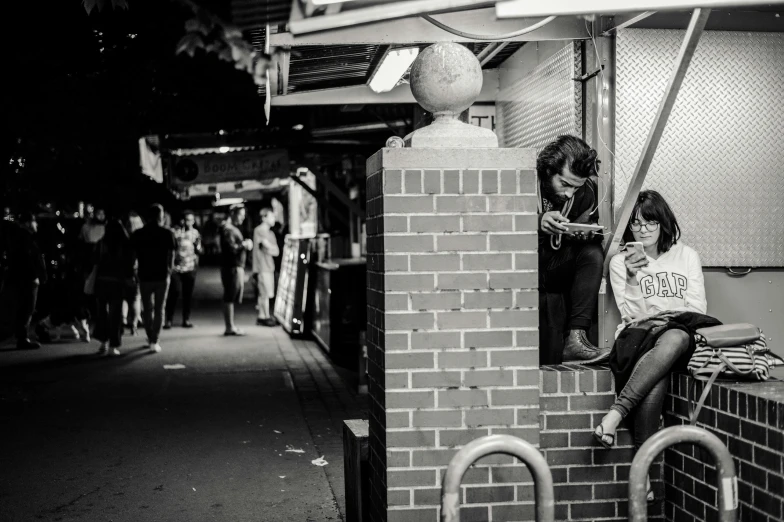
x,y
116,236
567,150
651,206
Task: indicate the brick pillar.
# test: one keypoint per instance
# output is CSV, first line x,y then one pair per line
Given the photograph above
x,y
452,326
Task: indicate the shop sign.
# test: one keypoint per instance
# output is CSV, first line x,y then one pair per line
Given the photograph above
x,y
231,166
482,116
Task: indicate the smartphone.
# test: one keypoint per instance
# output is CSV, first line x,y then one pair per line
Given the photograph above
x,y
573,228
634,245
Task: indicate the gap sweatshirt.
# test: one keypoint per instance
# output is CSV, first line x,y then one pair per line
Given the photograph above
x,y
672,282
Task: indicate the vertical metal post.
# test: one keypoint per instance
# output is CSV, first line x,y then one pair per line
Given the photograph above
x,y
605,145
728,480
696,25
489,445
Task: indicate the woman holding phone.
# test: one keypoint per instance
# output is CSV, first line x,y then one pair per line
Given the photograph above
x,y
652,274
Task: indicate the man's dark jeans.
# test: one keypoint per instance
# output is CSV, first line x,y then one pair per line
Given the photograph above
x,y
27,295
574,272
182,284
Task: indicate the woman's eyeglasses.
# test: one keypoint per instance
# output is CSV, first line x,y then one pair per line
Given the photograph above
x,y
636,226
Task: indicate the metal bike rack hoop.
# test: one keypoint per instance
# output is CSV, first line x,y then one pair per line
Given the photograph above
x,y
725,467
489,445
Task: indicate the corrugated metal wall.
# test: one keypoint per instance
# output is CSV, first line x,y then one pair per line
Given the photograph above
x,y
543,104
720,162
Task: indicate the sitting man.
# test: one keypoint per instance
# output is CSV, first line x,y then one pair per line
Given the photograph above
x,y
570,265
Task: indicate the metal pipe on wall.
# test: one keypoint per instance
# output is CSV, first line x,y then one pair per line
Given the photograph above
x,y
605,145
725,468
489,445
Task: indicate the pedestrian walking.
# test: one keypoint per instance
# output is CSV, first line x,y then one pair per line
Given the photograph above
x,y
155,246
115,281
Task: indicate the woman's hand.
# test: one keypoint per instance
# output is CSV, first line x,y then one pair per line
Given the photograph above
x,y
634,261
551,223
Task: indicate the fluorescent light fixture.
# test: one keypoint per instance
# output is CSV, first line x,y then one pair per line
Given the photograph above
x,y
527,8
224,150
327,2
393,66
227,201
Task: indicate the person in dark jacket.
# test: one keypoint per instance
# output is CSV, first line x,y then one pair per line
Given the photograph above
x,y
570,265
115,280
26,272
155,247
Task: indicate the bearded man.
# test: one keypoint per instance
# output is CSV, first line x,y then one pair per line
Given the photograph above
x,y
570,265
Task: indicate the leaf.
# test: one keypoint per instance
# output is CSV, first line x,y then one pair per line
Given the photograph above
x,y
243,58
189,43
232,32
225,55
260,68
89,5
195,25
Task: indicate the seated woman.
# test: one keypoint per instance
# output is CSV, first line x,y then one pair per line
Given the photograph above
x,y
666,277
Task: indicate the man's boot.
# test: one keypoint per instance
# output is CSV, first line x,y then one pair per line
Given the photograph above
x,y
578,349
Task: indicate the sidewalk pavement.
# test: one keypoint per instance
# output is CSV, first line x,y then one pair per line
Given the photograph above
x,y
230,436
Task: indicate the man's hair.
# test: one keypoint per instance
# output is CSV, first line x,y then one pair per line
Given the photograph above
x,y
156,213
234,209
266,211
568,151
651,206
188,213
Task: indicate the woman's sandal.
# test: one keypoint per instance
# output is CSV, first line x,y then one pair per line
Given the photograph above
x,y
599,435
651,499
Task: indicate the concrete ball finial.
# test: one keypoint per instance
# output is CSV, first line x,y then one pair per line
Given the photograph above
x,y
445,79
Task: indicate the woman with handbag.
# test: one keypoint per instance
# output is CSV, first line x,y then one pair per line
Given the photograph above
x,y
115,281
655,283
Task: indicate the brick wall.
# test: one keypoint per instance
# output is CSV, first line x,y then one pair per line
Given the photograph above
x,y
591,483
452,326
749,420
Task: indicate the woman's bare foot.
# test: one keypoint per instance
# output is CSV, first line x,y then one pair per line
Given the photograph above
x,y
605,431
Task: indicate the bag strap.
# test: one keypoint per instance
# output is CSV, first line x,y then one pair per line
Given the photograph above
x,y
729,364
694,412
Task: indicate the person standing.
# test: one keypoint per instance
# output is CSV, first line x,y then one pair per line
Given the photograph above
x,y
265,250
26,273
184,275
115,281
155,246
233,257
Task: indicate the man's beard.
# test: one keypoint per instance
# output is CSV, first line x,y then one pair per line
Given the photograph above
x,y
549,193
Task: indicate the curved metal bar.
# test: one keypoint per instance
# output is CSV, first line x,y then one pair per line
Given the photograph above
x,y
489,445
725,467
738,273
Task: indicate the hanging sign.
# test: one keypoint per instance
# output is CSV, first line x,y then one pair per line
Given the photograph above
x,y
231,166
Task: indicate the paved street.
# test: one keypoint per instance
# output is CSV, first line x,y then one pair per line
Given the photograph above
x,y
230,436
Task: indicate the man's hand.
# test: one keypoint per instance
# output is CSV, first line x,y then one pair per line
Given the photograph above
x,y
551,223
583,236
248,244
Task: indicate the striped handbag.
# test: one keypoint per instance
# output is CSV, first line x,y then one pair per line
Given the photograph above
x,y
734,351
